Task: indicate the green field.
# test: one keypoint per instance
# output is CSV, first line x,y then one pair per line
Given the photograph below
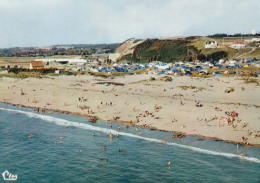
x,y
199,43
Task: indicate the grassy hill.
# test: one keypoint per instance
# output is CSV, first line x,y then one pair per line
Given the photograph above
x,y
163,50
183,49
199,43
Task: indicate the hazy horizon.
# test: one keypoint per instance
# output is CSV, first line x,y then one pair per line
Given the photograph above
x,y
40,23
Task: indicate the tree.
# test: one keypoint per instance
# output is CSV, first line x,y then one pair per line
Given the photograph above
x,y
217,55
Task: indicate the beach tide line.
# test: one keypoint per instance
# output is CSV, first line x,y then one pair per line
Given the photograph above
x,y
63,122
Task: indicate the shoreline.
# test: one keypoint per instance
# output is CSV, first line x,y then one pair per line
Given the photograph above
x,y
125,123
189,106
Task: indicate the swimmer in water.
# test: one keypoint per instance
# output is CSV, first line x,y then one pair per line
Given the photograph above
x,y
110,125
169,163
111,135
30,135
242,154
118,128
67,127
117,136
94,134
60,138
119,150
136,129
237,147
123,153
105,147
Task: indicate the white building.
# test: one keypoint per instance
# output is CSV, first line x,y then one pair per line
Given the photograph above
x,y
255,39
238,45
211,44
48,61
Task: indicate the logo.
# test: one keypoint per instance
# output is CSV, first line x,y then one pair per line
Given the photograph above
x,y
8,176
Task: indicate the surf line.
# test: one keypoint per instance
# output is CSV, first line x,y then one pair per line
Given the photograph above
x,y
64,122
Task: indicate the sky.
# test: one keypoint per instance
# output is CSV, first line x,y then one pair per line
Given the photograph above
x,y
25,23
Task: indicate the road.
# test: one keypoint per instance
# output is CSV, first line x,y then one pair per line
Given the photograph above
x,y
253,49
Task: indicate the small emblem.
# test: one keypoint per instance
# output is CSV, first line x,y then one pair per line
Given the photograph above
x,y
8,176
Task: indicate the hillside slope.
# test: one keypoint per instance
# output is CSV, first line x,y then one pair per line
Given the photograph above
x,y
166,50
180,49
128,46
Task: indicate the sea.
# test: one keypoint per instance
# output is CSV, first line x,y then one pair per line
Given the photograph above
x,y
81,157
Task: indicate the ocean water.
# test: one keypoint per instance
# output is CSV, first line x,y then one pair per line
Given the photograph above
x,y
81,157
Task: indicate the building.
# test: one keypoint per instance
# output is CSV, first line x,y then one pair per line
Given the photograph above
x,y
211,44
36,65
238,45
62,61
255,39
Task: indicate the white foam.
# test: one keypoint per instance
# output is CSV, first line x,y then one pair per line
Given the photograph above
x,y
63,122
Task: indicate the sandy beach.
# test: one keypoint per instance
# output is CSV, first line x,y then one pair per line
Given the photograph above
x,y
187,105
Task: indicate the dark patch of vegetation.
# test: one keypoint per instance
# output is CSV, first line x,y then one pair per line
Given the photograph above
x,y
217,55
248,80
38,73
164,50
137,40
42,71
166,78
111,83
229,90
128,57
